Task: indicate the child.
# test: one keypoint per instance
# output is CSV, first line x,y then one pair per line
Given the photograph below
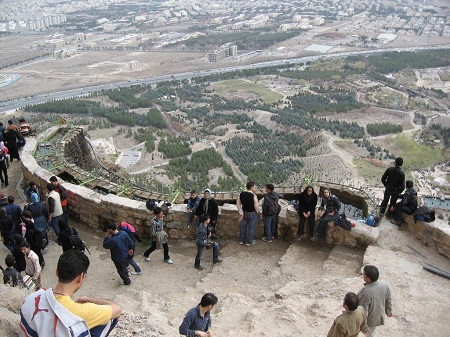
x,y
204,240
158,234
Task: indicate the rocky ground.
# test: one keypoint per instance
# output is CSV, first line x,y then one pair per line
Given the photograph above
x,y
282,288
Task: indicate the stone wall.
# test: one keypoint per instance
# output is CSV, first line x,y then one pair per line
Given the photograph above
x,y
435,234
93,209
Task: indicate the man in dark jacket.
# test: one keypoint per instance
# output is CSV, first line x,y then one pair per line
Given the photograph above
x,y
192,205
407,205
393,180
121,247
269,212
209,206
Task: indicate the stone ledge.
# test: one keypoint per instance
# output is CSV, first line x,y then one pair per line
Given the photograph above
x,y
434,234
92,209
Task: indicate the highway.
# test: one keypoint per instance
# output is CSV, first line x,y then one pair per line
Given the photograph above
x,y
80,92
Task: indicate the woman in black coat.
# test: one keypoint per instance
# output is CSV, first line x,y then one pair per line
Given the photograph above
x,y
10,137
307,203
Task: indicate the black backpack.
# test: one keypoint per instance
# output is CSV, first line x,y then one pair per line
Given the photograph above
x,y
75,241
150,204
424,213
343,222
269,206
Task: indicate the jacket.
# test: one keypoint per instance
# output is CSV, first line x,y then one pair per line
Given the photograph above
x,y
307,203
394,179
331,204
119,243
409,199
42,315
212,210
376,300
266,211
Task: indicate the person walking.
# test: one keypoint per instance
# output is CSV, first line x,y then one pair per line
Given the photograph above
x,y
121,246
248,208
134,236
393,181
54,208
197,321
158,235
3,169
203,240
307,202
33,268
376,300
62,196
352,319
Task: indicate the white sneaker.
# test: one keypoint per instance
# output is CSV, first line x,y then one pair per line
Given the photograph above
x,y
169,261
148,259
136,273
129,274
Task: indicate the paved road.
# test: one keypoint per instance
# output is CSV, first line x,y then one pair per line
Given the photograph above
x,y
21,102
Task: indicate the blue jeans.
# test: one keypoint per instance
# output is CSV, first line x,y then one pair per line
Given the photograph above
x,y
269,225
134,264
247,224
200,250
321,229
399,209
54,224
190,217
97,331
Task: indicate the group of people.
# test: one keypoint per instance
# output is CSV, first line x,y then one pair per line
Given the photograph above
x,y
394,182
25,232
362,312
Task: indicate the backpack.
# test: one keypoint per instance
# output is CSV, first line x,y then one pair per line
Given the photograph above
x,y
343,222
370,220
76,243
150,204
269,206
36,238
424,213
42,315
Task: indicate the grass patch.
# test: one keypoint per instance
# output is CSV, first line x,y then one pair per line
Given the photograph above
x,y
345,144
416,155
445,76
267,95
370,172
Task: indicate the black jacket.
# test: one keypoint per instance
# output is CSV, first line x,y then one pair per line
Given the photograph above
x,y
394,179
213,209
307,203
409,199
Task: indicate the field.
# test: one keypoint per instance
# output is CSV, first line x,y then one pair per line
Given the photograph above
x,y
370,172
415,155
231,87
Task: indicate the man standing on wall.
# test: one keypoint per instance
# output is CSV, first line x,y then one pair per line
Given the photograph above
x,y
375,298
393,180
248,208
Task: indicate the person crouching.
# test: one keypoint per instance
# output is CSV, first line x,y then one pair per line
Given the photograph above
x,y
204,239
